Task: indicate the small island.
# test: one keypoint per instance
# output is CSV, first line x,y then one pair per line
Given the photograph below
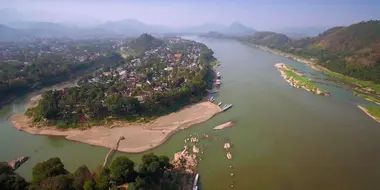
x,y
297,80
144,97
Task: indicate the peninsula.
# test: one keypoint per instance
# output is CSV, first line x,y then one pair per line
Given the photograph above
x,y
296,80
145,98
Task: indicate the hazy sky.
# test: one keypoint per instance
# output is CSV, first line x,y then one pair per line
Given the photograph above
x,y
260,14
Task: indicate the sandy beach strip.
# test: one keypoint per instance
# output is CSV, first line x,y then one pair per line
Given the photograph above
x,y
138,137
369,114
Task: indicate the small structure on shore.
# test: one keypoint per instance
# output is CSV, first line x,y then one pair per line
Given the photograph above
x,y
224,125
14,164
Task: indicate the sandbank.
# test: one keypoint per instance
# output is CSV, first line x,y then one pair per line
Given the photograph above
x,y
369,114
138,137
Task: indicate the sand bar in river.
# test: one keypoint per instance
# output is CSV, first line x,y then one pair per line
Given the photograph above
x,y
138,137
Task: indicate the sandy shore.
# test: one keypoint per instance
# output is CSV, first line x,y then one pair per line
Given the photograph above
x,y
297,84
138,137
369,114
224,125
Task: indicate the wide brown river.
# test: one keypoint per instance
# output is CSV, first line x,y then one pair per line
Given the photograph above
x,y
284,138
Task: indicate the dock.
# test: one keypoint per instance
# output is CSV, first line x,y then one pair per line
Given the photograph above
x,y
112,150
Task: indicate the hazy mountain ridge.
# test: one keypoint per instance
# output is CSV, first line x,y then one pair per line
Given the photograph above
x,y
238,29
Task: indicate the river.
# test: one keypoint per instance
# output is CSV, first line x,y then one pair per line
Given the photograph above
x,y
284,138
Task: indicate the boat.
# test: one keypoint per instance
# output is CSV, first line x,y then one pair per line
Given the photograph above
x,y
229,155
220,103
212,99
195,185
226,107
217,83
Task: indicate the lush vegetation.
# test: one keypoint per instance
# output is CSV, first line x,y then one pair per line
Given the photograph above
x,y
9,180
154,173
369,97
374,111
88,103
353,51
144,43
360,83
23,69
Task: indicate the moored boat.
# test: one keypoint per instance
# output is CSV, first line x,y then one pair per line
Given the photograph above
x,y
226,107
195,185
220,103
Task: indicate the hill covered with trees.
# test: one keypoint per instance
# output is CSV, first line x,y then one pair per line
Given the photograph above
x,y
353,50
144,43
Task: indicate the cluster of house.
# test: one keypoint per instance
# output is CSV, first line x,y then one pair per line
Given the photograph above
x,y
141,79
75,50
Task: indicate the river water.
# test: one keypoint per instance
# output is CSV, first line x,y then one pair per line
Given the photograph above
x,y
284,138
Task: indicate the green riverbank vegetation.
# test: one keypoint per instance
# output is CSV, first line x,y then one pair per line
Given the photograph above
x,y
154,172
350,54
296,80
368,97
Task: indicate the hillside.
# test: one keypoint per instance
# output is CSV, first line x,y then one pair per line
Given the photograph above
x,y
352,50
270,39
214,34
238,29
7,33
144,43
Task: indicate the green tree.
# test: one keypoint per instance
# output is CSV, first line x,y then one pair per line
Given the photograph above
x,y
122,170
10,180
80,176
50,168
103,179
59,182
89,185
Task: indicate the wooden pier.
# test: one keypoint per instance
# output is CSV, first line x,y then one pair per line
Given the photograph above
x,y
112,150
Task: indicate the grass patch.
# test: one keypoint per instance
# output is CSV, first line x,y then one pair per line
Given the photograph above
x,y
374,111
343,78
360,83
368,97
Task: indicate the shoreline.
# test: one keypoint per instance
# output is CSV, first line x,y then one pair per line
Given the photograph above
x,y
369,114
292,81
138,137
344,79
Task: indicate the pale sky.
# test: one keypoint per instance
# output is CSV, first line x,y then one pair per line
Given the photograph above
x,y
259,14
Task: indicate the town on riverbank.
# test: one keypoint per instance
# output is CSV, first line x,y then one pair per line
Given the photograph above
x,y
145,98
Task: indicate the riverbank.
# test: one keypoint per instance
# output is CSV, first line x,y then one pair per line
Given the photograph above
x,y
374,114
138,137
364,86
296,80
368,97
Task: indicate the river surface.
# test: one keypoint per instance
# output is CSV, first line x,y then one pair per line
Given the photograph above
x,y
284,138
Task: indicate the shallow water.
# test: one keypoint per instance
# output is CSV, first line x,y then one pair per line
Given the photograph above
x,y
284,138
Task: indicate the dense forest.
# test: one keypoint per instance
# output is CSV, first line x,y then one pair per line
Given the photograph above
x,y
154,173
352,50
